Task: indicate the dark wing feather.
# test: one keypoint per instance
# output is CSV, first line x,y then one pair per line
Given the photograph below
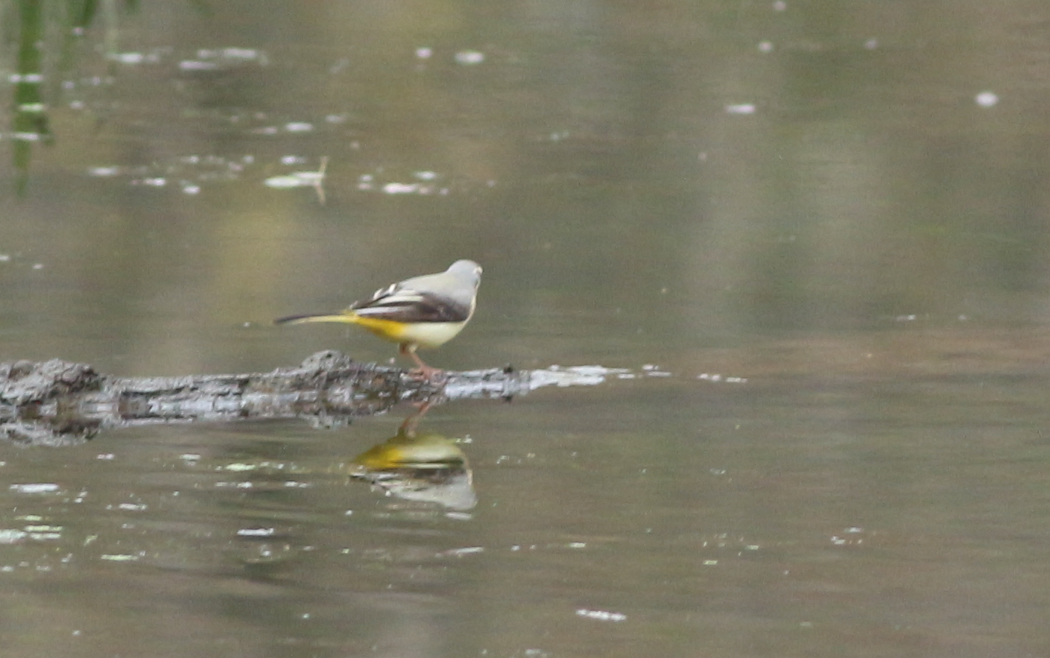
x,y
403,305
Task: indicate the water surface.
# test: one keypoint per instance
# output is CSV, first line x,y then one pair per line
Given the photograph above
x,y
804,242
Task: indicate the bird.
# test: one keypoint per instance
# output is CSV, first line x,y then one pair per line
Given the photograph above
x,y
423,311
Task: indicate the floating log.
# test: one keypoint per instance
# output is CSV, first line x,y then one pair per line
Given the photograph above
x,y
59,403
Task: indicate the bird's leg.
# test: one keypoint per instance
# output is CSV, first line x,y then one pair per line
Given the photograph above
x,y
427,372
408,427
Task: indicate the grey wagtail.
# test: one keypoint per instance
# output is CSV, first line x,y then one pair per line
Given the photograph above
x,y
424,311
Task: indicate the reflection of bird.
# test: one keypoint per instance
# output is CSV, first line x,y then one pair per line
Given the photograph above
x,y
424,311
424,467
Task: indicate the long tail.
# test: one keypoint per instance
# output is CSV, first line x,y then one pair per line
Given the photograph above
x,y
346,318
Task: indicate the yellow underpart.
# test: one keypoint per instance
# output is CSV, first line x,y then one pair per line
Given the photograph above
x,y
412,451
388,329
418,334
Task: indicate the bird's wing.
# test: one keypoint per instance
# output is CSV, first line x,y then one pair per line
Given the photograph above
x,y
399,303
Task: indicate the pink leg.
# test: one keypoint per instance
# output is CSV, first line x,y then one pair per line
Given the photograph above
x,y
421,368
408,427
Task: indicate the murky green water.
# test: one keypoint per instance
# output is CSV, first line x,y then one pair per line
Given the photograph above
x,y
812,234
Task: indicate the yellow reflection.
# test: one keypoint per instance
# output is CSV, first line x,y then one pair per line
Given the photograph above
x,y
419,467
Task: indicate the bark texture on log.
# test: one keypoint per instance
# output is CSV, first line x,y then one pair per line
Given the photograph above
x,y
58,403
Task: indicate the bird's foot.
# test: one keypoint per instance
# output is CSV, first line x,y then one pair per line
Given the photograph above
x,y
428,374
422,371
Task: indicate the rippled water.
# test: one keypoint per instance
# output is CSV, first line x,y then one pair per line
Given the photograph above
x,y
781,266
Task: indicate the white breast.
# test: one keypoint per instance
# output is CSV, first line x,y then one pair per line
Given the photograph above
x,y
431,334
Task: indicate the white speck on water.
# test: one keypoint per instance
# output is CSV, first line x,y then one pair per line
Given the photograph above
x,y
10,536
424,53
987,99
780,5
128,58
197,65
103,171
34,488
871,44
255,532
470,57
740,108
284,182
400,188
240,53
298,127
601,615
233,485
765,47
